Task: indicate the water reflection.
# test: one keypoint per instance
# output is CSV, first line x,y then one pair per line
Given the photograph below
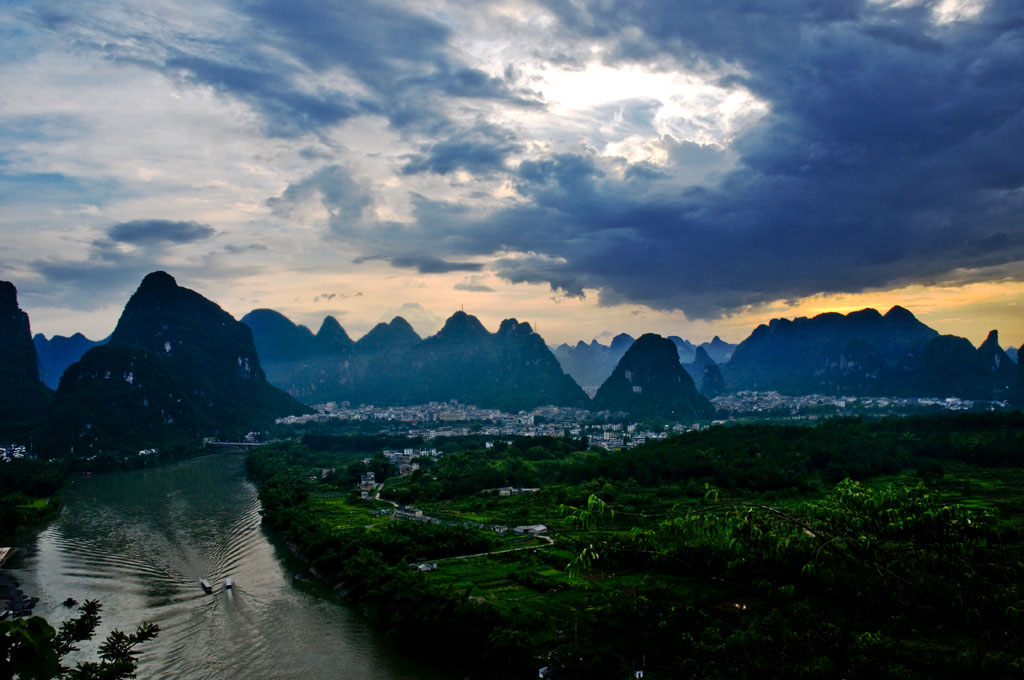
x,y
141,541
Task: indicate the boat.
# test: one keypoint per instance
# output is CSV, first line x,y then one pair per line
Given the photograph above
x,y
206,585
228,583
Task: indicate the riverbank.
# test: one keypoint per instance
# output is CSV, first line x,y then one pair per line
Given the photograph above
x,y
13,600
140,541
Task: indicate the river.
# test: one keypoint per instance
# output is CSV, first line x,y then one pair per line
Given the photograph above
x,y
140,541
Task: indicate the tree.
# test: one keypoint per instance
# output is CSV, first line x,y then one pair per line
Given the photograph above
x,y
587,519
32,649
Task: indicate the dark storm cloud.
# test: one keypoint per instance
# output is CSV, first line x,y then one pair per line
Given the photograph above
x,y
431,265
403,57
480,150
88,284
892,155
107,273
396,63
424,264
287,111
153,232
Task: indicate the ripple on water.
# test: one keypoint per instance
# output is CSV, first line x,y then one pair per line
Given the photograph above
x,y
139,542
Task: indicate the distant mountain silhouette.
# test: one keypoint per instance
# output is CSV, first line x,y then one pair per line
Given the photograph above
x,y
332,339
719,350
510,369
59,352
649,381
1017,395
327,366
590,365
1003,369
277,338
865,353
24,399
176,366
951,366
859,353
686,349
706,373
295,360
396,336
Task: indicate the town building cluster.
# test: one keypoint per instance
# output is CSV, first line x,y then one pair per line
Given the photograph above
x,y
772,403
12,452
406,460
452,419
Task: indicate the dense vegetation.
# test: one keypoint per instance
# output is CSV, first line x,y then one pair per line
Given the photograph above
x,y
32,648
852,549
28,492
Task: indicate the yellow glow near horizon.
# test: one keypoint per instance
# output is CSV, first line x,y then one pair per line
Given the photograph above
x,y
970,311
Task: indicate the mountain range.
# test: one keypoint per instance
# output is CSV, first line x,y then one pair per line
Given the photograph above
x,y
176,367
57,353
591,364
866,353
511,369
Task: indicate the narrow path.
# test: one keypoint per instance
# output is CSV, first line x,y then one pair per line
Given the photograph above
x,y
549,540
377,497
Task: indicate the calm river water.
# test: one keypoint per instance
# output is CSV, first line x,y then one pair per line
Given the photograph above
x,y
140,541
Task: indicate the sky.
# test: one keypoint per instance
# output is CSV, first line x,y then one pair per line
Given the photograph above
x,y
687,167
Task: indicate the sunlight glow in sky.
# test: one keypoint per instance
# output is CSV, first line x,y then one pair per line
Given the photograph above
x,y
673,167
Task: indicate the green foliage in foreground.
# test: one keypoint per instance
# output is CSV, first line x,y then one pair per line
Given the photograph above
x,y
32,648
864,583
732,553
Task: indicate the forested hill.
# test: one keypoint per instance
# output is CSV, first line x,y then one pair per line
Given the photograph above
x,y
649,381
591,364
23,398
865,353
511,369
177,366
